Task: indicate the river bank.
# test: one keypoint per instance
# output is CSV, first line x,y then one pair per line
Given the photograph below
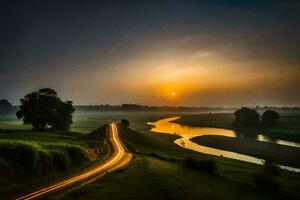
x,y
280,154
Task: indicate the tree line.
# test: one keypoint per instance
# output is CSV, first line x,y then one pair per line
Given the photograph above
x,y
247,117
43,109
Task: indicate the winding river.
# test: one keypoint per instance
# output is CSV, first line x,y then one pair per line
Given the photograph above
x,y
188,132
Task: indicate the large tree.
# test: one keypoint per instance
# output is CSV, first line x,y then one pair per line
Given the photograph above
x,y
44,109
269,118
246,117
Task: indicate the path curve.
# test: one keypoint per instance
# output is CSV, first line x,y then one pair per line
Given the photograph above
x,y
119,158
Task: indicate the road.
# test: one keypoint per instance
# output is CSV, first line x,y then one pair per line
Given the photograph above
x,y
119,158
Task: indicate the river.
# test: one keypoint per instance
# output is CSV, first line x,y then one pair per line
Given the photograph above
x,y
188,132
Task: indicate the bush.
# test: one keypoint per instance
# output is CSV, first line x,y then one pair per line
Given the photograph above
x,y
207,166
125,122
20,160
5,169
77,154
22,155
23,159
61,160
265,182
45,162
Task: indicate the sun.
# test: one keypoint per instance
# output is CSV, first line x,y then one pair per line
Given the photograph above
x,y
173,94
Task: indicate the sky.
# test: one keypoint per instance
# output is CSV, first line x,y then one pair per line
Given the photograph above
x,y
160,52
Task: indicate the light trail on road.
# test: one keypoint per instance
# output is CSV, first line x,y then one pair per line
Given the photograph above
x,y
115,161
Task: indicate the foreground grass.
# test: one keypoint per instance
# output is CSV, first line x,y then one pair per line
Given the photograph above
x,y
152,178
29,159
158,172
288,127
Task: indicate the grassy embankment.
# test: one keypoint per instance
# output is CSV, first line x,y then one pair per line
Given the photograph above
x,y
158,172
30,159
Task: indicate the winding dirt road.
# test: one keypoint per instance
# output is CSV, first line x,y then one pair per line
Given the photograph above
x,y
119,158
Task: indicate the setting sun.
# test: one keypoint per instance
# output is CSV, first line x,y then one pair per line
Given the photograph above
x,y
173,94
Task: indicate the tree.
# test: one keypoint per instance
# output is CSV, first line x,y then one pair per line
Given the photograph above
x,y
269,118
5,105
246,117
44,109
125,122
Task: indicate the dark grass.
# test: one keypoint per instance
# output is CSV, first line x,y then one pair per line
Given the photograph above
x,y
265,183
207,166
29,158
150,178
271,169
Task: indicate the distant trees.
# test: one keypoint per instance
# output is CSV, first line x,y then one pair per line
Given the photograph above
x,y
44,109
269,118
247,117
5,105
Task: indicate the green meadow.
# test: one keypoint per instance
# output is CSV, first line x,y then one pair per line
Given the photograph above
x,y
30,159
157,171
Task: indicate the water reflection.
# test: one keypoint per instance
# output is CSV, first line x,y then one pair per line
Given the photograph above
x,y
264,138
167,126
188,132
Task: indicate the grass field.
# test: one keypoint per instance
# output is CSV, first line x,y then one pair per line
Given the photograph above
x,y
29,158
158,172
152,178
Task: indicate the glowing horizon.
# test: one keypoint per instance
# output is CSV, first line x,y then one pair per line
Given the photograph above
x,y
201,51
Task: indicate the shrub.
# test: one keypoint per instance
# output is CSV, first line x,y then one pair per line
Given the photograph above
x,y
45,162
207,166
5,169
61,160
77,154
265,182
153,154
125,122
22,155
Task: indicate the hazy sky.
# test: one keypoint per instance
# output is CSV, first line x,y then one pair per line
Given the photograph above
x,y
210,53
